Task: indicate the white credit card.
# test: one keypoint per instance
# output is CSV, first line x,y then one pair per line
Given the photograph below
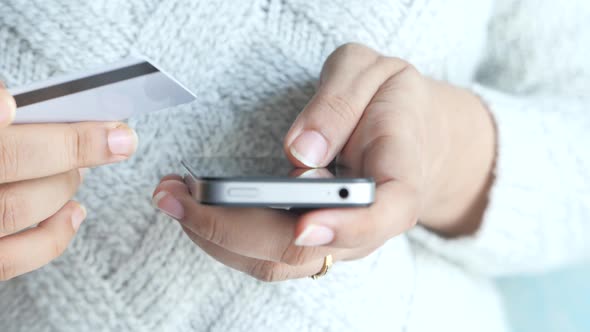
x,y
114,92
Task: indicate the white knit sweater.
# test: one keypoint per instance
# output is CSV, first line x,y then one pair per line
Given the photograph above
x,y
253,65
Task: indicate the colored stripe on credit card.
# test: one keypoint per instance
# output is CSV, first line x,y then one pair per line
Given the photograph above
x,y
111,93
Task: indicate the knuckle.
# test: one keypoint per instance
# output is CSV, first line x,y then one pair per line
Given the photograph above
x,y
267,271
351,55
408,68
74,142
414,78
394,61
408,72
211,229
297,255
339,106
352,48
9,203
9,157
400,68
7,269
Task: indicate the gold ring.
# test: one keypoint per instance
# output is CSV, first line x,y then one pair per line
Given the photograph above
x,y
328,261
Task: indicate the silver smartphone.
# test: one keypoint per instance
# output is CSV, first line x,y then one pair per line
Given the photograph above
x,y
275,183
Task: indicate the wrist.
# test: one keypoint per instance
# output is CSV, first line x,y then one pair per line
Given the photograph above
x,y
460,163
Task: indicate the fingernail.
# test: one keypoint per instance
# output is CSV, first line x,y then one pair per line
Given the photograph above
x,y
7,109
310,148
169,205
316,173
315,235
122,141
78,217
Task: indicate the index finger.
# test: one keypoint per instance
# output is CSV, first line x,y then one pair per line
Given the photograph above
x,y
350,78
37,150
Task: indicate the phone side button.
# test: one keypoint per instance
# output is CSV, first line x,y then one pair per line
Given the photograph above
x,y
242,192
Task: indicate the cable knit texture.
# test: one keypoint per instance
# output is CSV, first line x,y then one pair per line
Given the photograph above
x,y
253,65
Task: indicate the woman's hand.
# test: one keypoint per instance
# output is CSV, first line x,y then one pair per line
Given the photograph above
x,y
40,170
428,145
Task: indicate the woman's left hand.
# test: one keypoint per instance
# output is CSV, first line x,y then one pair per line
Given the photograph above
x,y
428,145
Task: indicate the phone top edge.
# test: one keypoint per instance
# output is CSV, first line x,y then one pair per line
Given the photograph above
x,y
279,179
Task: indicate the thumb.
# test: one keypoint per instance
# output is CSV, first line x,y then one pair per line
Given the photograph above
x,y
7,107
351,76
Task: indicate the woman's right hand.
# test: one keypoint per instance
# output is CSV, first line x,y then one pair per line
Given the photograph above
x,y
41,168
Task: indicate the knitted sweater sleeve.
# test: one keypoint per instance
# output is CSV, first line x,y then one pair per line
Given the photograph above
x,y
536,82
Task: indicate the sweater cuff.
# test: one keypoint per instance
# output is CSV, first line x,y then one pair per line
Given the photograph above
x,y
538,211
